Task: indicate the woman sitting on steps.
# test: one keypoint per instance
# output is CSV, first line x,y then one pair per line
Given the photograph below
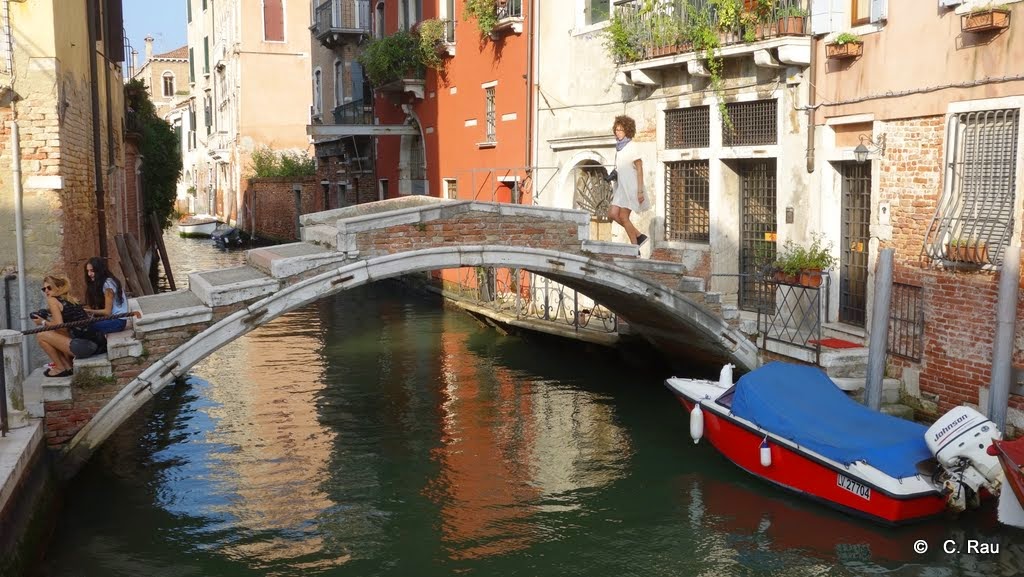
x,y
61,307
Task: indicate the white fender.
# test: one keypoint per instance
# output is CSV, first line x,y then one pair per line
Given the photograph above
x,y
725,377
696,423
766,453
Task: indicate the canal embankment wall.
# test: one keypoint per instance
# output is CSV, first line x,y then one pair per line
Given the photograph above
x,y
28,497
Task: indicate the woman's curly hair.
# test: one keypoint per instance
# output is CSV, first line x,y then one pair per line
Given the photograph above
x,y
627,124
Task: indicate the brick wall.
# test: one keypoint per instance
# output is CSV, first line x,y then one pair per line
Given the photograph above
x,y
959,307
271,203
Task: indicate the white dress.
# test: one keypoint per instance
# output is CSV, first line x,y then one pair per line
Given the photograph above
x,y
625,193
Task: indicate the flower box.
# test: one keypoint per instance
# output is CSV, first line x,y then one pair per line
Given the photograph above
x,y
791,26
985,20
844,51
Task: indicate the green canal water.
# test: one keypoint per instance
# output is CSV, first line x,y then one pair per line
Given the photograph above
x,y
378,434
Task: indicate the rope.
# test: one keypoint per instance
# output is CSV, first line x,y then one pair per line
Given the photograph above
x,y
80,323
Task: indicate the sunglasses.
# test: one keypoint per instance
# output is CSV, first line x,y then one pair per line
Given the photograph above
x,y
47,288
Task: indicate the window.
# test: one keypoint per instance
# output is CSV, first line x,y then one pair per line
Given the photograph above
x,y
688,127
597,11
206,54
318,102
378,21
339,82
687,195
451,188
491,135
273,20
860,12
360,90
409,13
188,9
208,113
168,78
204,4
753,123
974,219
191,65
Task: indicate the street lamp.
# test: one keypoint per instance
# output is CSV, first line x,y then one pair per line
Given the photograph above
x,y
869,146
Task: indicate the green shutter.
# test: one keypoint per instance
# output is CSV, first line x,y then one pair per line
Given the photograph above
x,y
191,66
188,8
206,54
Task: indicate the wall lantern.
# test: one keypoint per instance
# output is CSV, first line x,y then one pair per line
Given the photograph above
x,y
869,146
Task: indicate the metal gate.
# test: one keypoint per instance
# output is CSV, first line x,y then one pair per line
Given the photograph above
x,y
853,262
757,232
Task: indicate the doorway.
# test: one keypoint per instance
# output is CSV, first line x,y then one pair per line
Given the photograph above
x,y
757,231
853,262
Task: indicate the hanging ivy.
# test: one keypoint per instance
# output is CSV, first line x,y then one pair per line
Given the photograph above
x,y
485,12
160,149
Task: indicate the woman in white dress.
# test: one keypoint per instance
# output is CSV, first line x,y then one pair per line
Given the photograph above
x,y
628,192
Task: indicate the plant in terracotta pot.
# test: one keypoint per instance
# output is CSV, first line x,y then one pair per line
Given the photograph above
x,y
791,20
967,250
805,265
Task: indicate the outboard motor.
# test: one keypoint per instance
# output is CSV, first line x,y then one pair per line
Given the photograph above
x,y
226,237
960,440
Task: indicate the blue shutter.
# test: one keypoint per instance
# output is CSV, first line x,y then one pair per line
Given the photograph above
x,y
357,81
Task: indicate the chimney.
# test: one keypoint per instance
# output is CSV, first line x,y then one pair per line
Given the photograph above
x,y
135,59
149,48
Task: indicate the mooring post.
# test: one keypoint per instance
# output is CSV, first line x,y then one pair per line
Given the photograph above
x,y
1002,350
12,377
879,330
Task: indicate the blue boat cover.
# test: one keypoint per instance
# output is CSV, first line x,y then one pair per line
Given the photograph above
x,y
802,404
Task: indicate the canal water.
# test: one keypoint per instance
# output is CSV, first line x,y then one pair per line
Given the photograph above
x,y
378,433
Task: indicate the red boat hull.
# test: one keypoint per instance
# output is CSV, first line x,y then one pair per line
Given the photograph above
x,y
814,478
1011,457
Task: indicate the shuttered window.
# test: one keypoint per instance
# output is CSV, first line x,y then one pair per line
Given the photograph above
x,y
273,20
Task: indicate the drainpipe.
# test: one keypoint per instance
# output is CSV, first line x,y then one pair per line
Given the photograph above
x,y
19,230
101,211
810,105
533,65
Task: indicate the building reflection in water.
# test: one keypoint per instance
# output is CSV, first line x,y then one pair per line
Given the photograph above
x,y
273,451
508,455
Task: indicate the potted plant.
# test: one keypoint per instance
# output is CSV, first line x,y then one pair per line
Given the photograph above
x,y
622,40
390,58
804,265
845,45
665,34
791,20
485,12
433,47
985,19
967,250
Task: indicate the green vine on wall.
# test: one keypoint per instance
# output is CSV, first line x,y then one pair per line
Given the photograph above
x,y
160,149
485,12
703,35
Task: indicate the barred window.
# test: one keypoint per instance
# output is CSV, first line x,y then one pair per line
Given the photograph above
x,y
491,116
687,194
750,123
973,222
688,127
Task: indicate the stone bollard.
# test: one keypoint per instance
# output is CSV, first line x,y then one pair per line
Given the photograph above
x,y
14,374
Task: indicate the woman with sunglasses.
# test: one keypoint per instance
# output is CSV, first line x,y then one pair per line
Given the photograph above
x,y
61,307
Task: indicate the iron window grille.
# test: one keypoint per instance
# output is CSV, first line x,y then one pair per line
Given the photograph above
x,y
906,322
688,127
973,221
687,216
491,114
751,123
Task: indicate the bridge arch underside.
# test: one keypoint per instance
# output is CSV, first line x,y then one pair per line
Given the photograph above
x,y
661,314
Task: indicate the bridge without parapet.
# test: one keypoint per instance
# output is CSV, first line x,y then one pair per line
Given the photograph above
x,y
353,246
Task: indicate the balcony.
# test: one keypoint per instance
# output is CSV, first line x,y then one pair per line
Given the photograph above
x,y
510,18
680,32
411,82
355,112
338,21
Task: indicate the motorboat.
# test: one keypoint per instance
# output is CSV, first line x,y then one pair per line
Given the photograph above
x,y
197,225
791,425
1011,458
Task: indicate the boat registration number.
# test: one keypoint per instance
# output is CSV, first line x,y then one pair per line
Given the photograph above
x,y
854,487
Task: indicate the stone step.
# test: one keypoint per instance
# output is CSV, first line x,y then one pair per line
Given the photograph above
x,y
287,260
690,284
98,365
890,387
713,298
730,312
167,310
231,285
844,362
46,388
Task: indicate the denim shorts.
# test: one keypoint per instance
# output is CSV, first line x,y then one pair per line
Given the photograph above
x,y
109,326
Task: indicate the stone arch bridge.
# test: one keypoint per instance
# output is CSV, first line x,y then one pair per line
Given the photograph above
x,y
353,246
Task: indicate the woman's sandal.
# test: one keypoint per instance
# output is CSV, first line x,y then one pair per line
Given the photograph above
x,y
64,373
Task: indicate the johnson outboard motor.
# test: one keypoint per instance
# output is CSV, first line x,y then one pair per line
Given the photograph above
x,y
960,440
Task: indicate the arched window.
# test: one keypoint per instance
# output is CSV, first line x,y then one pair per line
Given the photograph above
x,y
318,102
339,82
168,78
379,21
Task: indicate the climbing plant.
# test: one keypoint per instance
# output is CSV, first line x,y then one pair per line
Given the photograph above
x,y
485,12
703,35
431,33
160,151
389,58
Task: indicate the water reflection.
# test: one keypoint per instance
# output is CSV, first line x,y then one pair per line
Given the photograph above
x,y
375,433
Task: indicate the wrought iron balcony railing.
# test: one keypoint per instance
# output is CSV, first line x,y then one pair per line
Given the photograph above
x,y
355,112
336,18
642,32
510,9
